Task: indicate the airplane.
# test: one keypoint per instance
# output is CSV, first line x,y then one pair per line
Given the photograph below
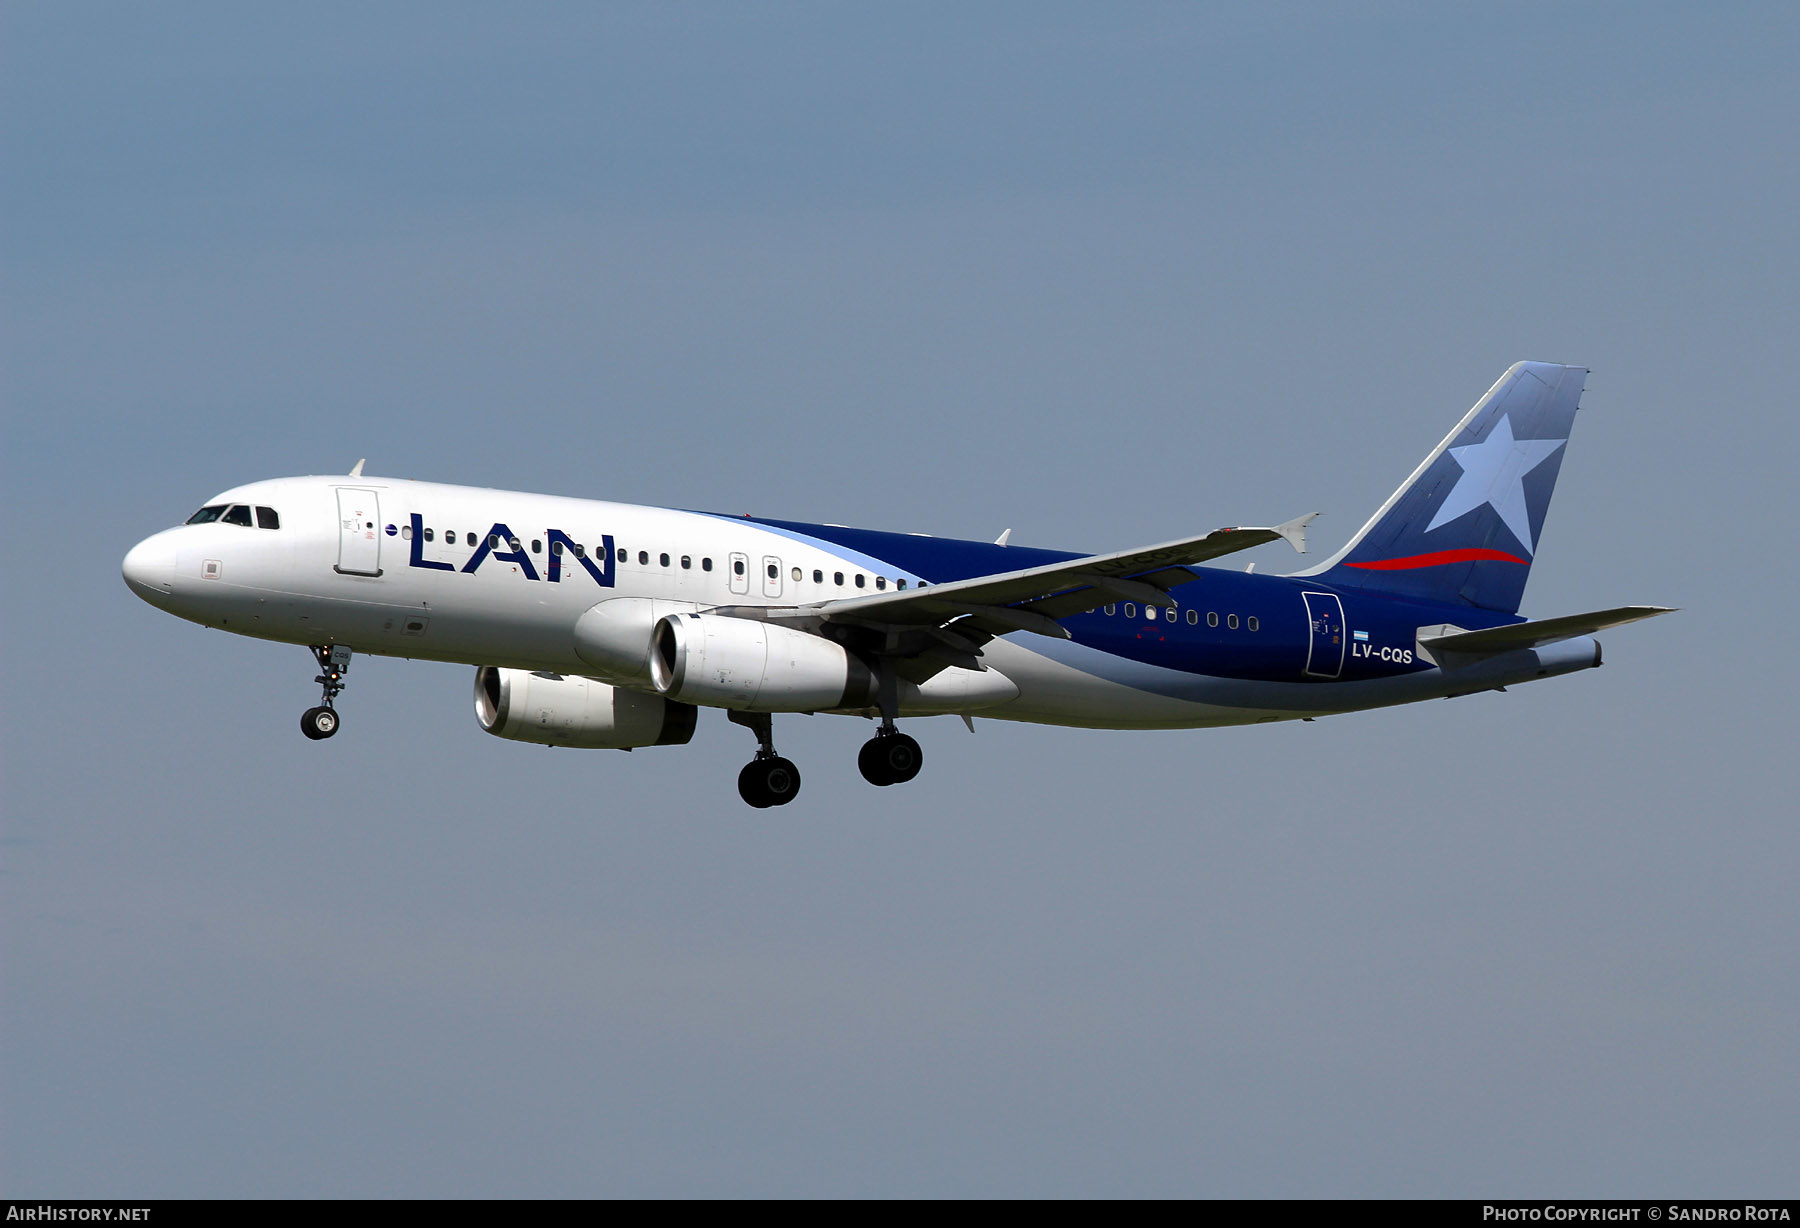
x,y
607,625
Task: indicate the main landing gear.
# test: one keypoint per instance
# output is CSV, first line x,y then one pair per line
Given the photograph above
x,y
334,661
890,757
767,780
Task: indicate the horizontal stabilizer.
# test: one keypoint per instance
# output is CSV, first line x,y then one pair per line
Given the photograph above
x,y
1537,633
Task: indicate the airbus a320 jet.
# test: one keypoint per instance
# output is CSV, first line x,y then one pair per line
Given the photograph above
x,y
608,625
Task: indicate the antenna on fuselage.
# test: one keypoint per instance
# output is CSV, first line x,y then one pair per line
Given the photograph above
x,y
357,472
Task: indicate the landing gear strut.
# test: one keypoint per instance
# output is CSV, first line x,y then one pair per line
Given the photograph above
x,y
767,780
334,661
890,757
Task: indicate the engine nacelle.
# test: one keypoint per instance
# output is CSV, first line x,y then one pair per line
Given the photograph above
x,y
614,637
563,710
755,666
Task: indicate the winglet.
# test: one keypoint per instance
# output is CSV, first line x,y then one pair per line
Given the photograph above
x,y
357,472
1294,531
1001,540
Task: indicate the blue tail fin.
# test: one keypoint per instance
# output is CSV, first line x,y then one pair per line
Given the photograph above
x,y
1464,527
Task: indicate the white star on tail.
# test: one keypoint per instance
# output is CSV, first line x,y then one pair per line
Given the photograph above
x,y
1493,472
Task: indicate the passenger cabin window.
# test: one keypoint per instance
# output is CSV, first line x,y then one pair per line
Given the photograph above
x,y
1254,625
663,559
207,515
266,518
687,562
1212,618
580,551
880,581
471,539
1231,621
837,578
901,583
429,536
237,513
643,558
818,576
622,554
1193,618
705,564
1111,610
537,545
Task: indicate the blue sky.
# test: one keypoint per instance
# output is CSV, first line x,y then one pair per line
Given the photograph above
x,y
1102,275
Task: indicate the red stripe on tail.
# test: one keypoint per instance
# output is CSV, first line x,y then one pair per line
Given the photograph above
x,y
1440,558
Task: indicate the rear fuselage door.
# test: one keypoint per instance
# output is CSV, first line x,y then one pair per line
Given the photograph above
x,y
771,576
1325,640
359,531
740,573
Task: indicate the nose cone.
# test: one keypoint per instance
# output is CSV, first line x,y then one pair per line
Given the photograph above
x,y
150,568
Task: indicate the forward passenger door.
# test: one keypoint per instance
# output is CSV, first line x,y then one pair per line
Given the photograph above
x,y
359,531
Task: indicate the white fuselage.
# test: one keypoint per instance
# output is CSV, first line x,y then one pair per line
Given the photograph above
x,y
501,578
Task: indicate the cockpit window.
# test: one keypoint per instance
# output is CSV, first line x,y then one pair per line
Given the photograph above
x,y
207,515
237,513
266,518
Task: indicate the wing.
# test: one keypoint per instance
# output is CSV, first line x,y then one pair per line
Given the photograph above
x,y
946,624
1033,599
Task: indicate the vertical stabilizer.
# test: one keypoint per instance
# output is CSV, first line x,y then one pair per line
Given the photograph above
x,y
1464,527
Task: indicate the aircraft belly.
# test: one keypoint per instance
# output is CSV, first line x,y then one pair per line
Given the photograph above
x,y
1068,684
1053,692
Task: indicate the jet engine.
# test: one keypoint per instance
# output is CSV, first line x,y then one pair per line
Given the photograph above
x,y
562,710
614,637
755,666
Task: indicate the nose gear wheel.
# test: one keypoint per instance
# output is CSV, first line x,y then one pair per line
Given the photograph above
x,y
319,723
322,721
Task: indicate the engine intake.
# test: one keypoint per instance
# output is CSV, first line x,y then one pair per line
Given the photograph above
x,y
755,666
563,710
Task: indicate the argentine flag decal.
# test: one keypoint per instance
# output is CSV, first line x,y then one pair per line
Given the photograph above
x,y
1361,637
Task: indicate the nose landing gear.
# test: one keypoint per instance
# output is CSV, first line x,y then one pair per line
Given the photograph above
x,y
334,661
767,780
